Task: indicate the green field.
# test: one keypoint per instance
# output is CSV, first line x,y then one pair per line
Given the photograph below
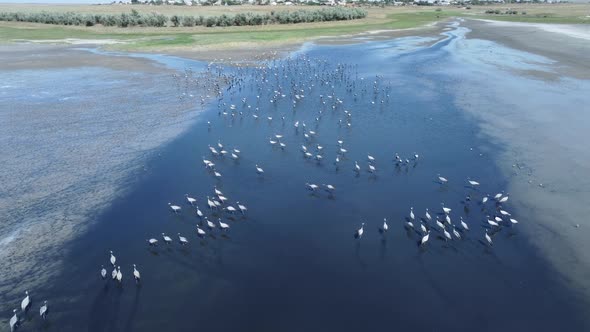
x,y
145,38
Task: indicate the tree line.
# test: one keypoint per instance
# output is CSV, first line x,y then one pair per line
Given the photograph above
x,y
136,18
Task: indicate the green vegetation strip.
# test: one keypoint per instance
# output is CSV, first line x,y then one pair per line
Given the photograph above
x,y
159,20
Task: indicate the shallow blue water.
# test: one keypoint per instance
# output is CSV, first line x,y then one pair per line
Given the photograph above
x,y
292,263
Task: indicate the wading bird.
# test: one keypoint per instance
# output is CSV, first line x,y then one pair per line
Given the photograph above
x,y
222,225
182,239
13,321
44,310
136,274
425,238
360,231
488,238
190,200
242,208
26,302
113,259
174,208
166,238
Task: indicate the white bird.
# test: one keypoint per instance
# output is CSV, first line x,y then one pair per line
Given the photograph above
x,y
230,209
210,203
357,168
152,242
210,224
448,219
272,142
503,199
174,208
182,239
412,214
498,196
423,228
103,272
514,221
447,234
488,238
428,217
223,199
242,208
372,169
440,224
329,188
222,225
485,199
119,274
26,302
190,200
114,273
234,156
473,183
360,231
199,213
44,310
136,274
491,222
113,259
311,186
303,148
497,219
442,179
13,321
385,226
464,225
259,170
200,232
370,158
504,213
166,238
343,151
237,151
425,238
457,235
446,210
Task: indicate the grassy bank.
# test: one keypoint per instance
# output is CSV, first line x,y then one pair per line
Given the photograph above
x,y
147,38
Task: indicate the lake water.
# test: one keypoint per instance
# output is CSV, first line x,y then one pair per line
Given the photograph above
x,y
291,263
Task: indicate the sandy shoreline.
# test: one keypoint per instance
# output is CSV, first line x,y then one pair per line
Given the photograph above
x,y
572,51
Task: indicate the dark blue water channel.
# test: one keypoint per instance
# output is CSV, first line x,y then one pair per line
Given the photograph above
x,y
291,263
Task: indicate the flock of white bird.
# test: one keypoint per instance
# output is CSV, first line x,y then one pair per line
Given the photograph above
x,y
444,223
264,80
25,305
